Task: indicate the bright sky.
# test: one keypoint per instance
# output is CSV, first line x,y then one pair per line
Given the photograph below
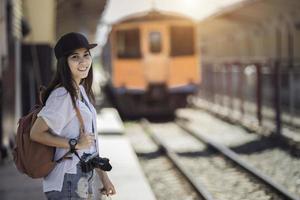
x,y
196,9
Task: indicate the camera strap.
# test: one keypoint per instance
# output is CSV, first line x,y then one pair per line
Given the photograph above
x,y
66,156
82,130
75,152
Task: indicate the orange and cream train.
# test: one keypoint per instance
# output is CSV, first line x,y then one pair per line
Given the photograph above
x,y
153,63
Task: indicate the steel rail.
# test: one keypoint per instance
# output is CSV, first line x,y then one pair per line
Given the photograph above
x,y
199,187
235,158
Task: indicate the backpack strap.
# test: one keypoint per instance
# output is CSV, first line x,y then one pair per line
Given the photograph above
x,y
78,114
81,129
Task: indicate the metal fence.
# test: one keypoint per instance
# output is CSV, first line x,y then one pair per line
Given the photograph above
x,y
265,90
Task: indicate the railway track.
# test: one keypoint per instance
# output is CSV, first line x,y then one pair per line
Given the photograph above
x,y
267,154
164,178
214,171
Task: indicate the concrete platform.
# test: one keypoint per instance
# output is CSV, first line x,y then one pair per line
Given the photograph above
x,y
289,133
127,176
15,186
109,122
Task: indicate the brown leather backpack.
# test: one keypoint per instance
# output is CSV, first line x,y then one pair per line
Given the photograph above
x,y
33,158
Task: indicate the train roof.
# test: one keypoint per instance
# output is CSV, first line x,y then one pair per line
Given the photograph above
x,y
153,15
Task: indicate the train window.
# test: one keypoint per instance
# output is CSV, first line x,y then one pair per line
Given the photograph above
x,y
155,42
182,40
128,43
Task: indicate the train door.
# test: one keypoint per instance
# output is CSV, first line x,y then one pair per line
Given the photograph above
x,y
155,48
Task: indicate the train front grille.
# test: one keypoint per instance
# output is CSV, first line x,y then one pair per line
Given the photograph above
x,y
156,92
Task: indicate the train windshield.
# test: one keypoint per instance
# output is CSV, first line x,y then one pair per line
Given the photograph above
x,y
155,42
182,40
128,43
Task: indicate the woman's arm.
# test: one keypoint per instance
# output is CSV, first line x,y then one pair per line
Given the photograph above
x,y
40,133
108,187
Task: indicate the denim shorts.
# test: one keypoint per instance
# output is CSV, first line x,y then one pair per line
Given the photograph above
x,y
75,187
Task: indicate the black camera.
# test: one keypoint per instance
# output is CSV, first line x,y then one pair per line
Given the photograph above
x,y
90,161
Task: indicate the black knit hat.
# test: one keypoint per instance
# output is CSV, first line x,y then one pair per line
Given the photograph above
x,y
69,42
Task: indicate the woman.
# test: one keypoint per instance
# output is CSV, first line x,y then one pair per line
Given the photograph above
x,y
57,124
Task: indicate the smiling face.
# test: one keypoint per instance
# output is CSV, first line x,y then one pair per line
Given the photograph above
x,y
80,63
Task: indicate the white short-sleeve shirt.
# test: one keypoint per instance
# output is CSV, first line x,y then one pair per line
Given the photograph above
x,y
60,116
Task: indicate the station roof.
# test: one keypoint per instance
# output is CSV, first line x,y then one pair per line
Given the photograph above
x,y
79,15
196,9
252,13
153,15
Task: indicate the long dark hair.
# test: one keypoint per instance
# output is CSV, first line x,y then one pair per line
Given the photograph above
x,y
63,78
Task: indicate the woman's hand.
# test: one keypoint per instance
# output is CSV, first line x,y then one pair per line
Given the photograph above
x,y
85,141
108,187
